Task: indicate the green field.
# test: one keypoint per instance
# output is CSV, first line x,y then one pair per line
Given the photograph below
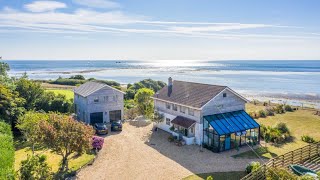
x,y
66,92
300,122
235,175
23,150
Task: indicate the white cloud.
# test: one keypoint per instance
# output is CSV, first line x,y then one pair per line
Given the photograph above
x,y
44,6
97,3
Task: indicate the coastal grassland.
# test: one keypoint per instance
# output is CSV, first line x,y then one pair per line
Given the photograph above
x,y
232,175
300,122
23,150
68,93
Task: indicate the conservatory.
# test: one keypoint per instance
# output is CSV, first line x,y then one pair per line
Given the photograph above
x,y
230,130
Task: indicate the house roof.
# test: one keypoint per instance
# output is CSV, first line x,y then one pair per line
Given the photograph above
x,y
90,87
190,93
183,121
231,122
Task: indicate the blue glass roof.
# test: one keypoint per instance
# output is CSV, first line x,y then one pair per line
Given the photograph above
x,y
231,122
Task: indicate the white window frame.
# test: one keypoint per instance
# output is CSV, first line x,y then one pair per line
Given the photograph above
x,y
174,107
183,109
191,112
96,100
106,98
168,120
168,105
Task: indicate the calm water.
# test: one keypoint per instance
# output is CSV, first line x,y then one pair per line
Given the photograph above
x,y
299,78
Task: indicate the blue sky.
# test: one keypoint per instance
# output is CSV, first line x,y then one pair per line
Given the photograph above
x,y
163,29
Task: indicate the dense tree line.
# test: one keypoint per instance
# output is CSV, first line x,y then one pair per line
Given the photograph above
x,y
19,95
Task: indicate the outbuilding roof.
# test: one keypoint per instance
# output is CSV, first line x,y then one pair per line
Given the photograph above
x,y
190,93
90,87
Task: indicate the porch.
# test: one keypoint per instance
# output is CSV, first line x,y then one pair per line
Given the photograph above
x,y
183,128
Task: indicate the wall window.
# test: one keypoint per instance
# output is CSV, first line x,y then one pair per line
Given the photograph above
x,y
96,99
192,130
115,98
167,121
168,105
182,109
224,94
191,112
106,98
175,107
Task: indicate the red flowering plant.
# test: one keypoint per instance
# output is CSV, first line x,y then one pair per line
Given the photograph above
x,y
97,142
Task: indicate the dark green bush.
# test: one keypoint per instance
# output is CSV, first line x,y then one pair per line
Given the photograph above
x,y
66,81
35,167
308,139
288,108
283,128
279,109
253,166
80,77
6,152
262,114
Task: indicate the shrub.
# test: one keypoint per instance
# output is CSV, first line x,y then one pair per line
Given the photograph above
x,y
80,77
283,128
279,174
288,108
97,142
279,109
308,139
6,152
269,112
170,138
35,167
262,114
209,178
253,166
66,81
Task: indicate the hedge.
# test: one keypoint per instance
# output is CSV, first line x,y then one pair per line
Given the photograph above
x,y
6,152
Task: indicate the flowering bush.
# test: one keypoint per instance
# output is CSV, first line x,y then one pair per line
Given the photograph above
x,y
97,142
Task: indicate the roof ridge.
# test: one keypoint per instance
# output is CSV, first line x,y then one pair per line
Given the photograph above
x,y
199,83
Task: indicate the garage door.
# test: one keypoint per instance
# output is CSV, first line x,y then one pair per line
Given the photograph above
x,y
96,117
115,115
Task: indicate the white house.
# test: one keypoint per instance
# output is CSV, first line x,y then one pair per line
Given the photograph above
x,y
98,103
205,114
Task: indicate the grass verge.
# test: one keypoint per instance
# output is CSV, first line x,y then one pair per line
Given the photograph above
x,y
232,175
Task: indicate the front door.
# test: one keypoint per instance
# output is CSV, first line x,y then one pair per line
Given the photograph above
x,y
115,115
227,142
96,117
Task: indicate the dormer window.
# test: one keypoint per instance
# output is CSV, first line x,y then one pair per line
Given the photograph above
x,y
96,99
224,95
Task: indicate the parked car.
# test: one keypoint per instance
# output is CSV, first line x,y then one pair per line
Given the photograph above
x,y
116,125
101,128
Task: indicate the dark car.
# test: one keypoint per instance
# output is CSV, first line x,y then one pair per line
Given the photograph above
x,y
101,128
116,125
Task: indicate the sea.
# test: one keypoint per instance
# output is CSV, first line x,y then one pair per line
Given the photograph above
x,y
293,82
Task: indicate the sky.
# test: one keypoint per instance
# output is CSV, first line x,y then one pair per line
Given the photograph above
x,y
159,30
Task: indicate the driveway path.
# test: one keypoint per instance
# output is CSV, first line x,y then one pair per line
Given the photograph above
x,y
137,153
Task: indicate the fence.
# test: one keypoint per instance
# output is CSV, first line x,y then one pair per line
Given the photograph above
x,y
298,156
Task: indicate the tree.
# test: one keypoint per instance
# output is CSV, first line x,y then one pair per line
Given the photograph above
x,y
65,136
144,101
35,168
29,90
28,124
80,77
10,104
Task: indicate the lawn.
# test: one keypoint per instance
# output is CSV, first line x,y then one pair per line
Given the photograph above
x,y
300,122
232,175
75,162
66,92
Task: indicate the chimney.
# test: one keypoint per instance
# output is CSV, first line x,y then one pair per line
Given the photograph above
x,y
170,84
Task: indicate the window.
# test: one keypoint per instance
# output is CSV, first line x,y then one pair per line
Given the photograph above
x,y
182,109
115,98
191,112
224,94
168,121
192,130
96,99
174,107
106,98
168,105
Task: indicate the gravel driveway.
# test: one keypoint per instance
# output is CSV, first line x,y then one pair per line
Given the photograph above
x,y
139,153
